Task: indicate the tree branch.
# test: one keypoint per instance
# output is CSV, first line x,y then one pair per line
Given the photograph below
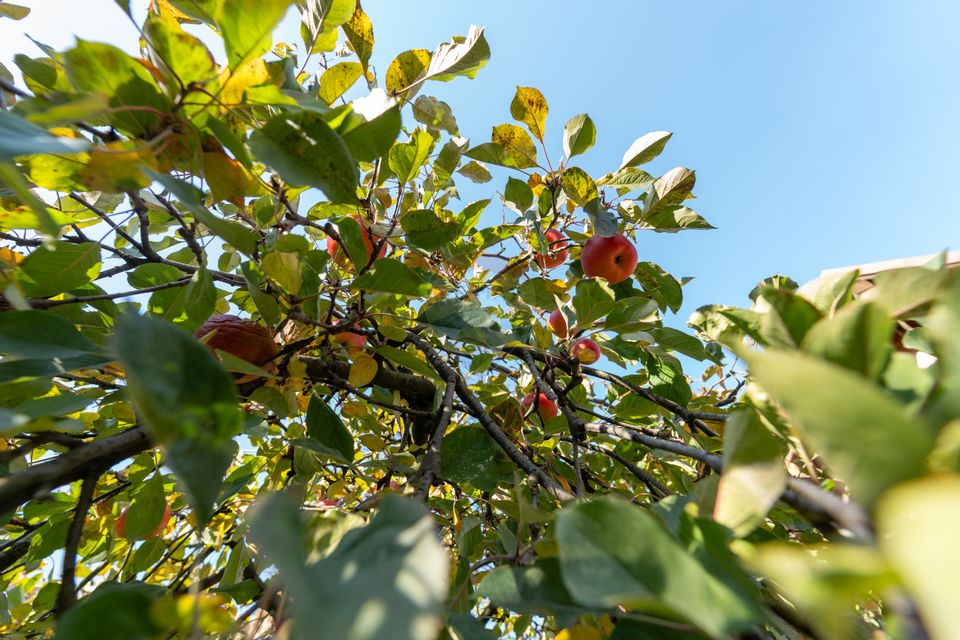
x,y
70,467
67,595
478,412
431,459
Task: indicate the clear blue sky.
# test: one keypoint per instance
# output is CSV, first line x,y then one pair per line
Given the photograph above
x,y
823,133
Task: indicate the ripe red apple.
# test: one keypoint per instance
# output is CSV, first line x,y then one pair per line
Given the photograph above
x,y
244,339
546,407
338,255
558,324
329,503
352,342
120,526
585,350
556,250
613,258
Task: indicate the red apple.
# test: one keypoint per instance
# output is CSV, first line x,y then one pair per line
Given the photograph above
x,y
613,258
329,503
120,526
338,255
546,407
558,324
244,339
352,342
585,350
556,248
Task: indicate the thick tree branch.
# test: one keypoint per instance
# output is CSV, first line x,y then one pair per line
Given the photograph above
x,y
431,459
70,467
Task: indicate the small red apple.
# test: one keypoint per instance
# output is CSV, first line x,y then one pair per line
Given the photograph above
x,y
120,526
557,250
329,503
333,247
558,324
546,407
352,342
612,258
585,350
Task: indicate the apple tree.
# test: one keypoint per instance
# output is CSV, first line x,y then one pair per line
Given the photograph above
x,y
265,373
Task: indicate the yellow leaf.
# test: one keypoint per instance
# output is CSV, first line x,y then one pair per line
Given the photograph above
x,y
363,370
116,169
249,74
284,269
228,179
359,32
353,409
530,107
580,631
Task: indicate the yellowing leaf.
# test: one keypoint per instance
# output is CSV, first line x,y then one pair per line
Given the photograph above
x,y
363,370
116,169
530,107
359,32
337,79
516,144
235,82
406,69
228,179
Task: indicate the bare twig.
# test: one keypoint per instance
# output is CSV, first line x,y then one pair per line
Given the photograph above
x,y
431,459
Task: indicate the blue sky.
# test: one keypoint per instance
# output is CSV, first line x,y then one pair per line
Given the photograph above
x,y
823,133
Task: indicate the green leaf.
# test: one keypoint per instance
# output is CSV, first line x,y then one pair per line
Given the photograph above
x,y
424,229
100,68
753,473
321,19
146,509
284,269
247,27
462,56
518,194
60,267
857,337
186,399
182,54
673,219
475,171
468,454
372,139
592,300
359,32
538,589
645,148
324,426
127,606
788,318
915,527
201,297
537,292
337,79
666,377
530,107
604,223
579,134
902,291
668,191
398,591
462,320
865,436
646,570
235,233
19,137
392,276
670,338
628,179
405,159
435,114
408,360
305,151
41,334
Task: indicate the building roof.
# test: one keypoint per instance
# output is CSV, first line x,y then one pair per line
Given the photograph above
x,y
870,270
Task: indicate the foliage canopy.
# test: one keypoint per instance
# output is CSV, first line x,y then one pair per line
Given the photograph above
x,y
379,477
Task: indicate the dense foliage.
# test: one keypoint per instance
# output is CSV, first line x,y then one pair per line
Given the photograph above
x,y
375,473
